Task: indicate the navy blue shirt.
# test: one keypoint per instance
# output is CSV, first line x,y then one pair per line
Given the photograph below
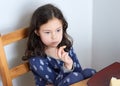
x,y
48,70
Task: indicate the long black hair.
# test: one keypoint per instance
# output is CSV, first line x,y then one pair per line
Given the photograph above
x,y
35,47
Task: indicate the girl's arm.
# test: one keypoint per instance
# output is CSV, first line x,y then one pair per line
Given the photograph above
x,y
76,65
40,69
63,56
70,60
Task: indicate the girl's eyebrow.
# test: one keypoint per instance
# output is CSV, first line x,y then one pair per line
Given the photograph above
x,y
59,27
47,29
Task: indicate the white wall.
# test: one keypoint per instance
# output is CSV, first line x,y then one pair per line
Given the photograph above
x,y
15,14
106,33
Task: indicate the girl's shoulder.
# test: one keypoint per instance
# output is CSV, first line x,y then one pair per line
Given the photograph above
x,y
71,50
36,59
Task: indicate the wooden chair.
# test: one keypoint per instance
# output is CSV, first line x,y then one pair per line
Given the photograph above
x,y
81,83
7,74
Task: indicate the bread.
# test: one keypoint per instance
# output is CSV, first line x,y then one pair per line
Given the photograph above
x,y
114,82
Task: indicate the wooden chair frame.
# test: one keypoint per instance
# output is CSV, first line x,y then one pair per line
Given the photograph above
x,y
7,74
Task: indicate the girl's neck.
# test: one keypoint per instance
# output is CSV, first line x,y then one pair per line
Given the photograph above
x,y
52,52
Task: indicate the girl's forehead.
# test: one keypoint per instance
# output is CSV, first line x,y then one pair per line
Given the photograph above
x,y
53,23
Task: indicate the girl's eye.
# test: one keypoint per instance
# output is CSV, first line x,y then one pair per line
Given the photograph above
x,y
58,30
47,32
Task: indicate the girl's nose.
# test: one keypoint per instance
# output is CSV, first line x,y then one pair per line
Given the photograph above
x,y
53,36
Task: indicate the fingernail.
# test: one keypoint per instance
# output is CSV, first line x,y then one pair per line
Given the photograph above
x,y
64,46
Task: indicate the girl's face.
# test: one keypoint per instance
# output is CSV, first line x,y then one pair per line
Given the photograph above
x,y
51,33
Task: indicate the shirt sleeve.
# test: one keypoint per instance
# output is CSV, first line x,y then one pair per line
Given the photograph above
x,y
41,69
76,64
67,70
76,71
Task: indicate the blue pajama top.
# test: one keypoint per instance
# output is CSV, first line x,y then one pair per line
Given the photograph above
x,y
48,70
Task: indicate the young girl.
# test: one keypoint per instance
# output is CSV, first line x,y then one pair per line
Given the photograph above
x,y
49,50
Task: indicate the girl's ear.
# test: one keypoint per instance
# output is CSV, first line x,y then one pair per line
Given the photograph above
x,y
36,32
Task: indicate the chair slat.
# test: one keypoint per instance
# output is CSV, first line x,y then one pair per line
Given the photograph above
x,y
19,70
14,36
4,70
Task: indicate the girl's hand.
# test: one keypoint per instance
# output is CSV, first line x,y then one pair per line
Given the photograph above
x,y
62,55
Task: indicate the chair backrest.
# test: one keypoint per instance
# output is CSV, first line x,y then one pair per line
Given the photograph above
x,y
7,74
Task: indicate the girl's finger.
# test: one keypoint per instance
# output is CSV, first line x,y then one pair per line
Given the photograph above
x,y
60,51
66,57
63,56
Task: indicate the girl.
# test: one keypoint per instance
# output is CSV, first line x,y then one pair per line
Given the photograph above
x,y
49,50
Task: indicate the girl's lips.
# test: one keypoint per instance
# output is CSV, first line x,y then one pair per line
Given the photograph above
x,y
54,42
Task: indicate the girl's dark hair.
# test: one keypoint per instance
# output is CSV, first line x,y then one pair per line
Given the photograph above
x,y
42,15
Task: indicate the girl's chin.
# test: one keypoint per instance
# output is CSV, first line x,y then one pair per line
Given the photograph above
x,y
53,46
